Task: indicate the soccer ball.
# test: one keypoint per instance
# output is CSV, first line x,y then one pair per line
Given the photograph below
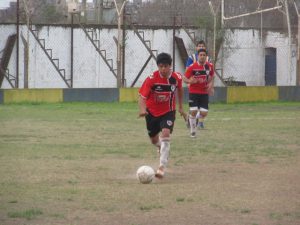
x,y
145,174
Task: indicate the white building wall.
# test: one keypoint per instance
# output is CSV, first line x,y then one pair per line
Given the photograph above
x,y
90,70
244,57
286,66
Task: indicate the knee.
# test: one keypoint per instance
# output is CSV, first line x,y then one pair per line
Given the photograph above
x,y
165,133
203,114
193,113
154,140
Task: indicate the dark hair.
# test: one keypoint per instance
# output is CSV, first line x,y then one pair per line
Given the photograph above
x,y
201,43
164,58
202,50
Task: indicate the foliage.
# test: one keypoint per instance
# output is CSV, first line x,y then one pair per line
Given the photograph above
x,y
206,22
50,14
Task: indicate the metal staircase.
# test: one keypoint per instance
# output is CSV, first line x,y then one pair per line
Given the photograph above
x,y
182,50
4,61
146,43
9,77
191,34
49,53
92,36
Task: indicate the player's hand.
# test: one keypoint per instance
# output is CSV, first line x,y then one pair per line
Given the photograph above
x,y
193,80
143,114
182,113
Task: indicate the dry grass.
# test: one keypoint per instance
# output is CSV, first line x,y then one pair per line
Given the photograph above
x,y
76,163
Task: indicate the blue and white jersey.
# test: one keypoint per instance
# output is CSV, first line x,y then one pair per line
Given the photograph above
x,y
194,58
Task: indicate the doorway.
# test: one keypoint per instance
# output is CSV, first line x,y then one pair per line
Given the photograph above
x,y
270,67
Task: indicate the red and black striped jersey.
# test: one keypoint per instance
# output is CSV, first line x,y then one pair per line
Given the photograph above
x,y
160,92
203,73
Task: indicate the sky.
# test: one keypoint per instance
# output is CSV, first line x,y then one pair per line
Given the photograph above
x,y
5,3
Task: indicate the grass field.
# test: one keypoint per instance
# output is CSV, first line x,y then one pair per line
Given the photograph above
x,y
75,163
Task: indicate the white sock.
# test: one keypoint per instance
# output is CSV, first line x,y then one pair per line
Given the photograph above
x,y
193,123
164,152
198,115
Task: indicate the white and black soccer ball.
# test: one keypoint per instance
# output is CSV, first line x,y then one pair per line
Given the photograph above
x,y
145,174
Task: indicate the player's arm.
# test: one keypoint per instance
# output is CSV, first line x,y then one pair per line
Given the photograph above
x,y
187,78
143,95
210,87
180,100
210,84
142,106
180,97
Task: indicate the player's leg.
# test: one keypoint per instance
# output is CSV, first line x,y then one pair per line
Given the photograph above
x,y
153,129
187,117
164,153
198,116
193,104
193,120
203,110
187,121
203,114
156,142
166,124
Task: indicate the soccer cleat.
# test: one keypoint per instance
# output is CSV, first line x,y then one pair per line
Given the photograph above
x,y
193,134
160,173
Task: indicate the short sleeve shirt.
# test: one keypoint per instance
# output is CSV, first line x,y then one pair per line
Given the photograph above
x,y
160,92
202,73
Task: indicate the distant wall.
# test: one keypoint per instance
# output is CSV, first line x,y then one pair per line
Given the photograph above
x,y
289,93
90,70
32,95
91,95
243,55
128,94
251,94
222,94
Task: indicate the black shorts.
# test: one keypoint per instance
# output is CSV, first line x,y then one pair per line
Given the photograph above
x,y
156,124
198,100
